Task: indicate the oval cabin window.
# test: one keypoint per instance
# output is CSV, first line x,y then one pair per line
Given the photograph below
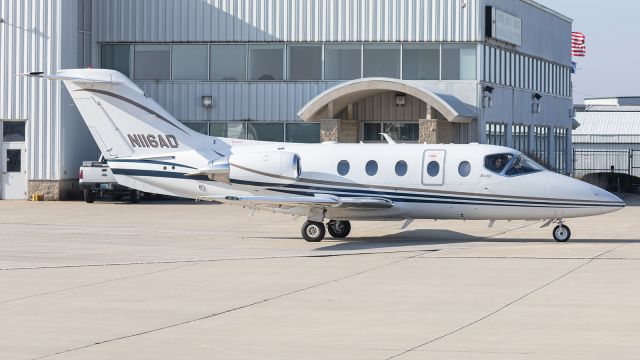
x,y
343,167
401,168
371,168
464,169
433,168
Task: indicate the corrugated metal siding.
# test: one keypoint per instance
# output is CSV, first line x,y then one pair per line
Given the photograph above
x,y
382,107
286,20
33,36
607,124
269,101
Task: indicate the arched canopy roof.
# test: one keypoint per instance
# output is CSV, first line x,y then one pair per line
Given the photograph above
x,y
452,108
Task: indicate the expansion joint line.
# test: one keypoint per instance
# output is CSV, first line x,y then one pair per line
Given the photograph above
x,y
209,316
590,260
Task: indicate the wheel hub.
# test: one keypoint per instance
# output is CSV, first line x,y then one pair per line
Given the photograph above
x,y
313,230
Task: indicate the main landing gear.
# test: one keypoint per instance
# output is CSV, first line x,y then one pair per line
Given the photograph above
x,y
314,231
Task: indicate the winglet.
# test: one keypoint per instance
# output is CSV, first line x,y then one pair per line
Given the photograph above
x,y
388,138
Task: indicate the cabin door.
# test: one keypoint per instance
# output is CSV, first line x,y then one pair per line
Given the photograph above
x,y
433,162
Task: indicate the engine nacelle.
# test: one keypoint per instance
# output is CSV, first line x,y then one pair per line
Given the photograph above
x,y
279,167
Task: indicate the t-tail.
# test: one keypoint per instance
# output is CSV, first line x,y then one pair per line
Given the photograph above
x,y
124,121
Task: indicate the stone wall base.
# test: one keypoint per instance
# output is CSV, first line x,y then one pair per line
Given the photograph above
x,y
54,190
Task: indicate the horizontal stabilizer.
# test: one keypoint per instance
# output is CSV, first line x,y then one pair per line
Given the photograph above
x,y
79,79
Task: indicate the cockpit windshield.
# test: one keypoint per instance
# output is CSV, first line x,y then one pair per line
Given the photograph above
x,y
511,165
497,162
523,165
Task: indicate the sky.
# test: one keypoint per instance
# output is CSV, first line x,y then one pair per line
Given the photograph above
x,y
612,65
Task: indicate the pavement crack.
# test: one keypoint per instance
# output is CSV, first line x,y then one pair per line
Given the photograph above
x,y
507,305
237,308
326,255
96,283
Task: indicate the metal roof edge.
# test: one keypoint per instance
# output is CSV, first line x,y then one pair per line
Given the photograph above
x,y
548,10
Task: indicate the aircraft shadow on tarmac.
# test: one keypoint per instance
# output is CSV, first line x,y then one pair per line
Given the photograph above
x,y
427,237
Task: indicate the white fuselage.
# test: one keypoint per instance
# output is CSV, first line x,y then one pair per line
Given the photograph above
x,y
418,193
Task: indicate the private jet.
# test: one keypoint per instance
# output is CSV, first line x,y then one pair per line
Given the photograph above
x,y
330,184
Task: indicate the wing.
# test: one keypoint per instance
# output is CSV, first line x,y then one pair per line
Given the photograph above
x,y
317,201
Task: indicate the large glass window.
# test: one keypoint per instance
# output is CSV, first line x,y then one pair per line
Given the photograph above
x,y
342,62
561,144
116,57
305,62
402,132
266,62
520,137
398,131
266,131
541,145
371,132
13,131
496,134
199,126
228,62
382,60
303,133
421,62
152,62
233,129
190,62
458,62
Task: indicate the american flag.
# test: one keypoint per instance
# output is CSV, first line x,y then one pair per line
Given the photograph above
x,y
577,44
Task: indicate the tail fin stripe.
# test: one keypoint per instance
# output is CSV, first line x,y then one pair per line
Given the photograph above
x,y
140,106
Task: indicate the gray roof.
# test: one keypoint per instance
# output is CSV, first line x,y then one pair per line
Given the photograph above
x,y
607,127
612,108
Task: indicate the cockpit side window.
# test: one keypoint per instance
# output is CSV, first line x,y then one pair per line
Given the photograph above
x,y
522,166
497,162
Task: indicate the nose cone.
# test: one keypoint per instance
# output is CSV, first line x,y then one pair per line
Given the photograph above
x,y
587,199
604,195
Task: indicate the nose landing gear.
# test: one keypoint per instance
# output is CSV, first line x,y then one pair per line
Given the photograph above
x,y
561,233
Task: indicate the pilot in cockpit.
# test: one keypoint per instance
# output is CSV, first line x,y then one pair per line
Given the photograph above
x,y
498,164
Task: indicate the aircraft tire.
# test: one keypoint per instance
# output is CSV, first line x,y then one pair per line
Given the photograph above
x,y
313,231
562,233
89,196
339,229
134,196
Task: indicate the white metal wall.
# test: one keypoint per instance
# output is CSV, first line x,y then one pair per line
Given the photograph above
x,y
41,35
287,20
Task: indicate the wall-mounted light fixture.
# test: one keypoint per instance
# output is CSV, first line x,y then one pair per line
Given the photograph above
x,y
487,100
207,101
400,99
535,107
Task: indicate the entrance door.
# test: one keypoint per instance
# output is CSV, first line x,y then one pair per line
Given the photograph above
x,y
433,167
13,161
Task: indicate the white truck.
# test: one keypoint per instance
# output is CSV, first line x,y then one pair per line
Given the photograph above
x,y
97,179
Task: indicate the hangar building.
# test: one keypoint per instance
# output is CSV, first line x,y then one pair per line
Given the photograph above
x,y
435,71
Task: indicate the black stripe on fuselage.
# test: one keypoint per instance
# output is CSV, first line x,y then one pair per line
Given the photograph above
x,y
144,161
393,196
401,196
